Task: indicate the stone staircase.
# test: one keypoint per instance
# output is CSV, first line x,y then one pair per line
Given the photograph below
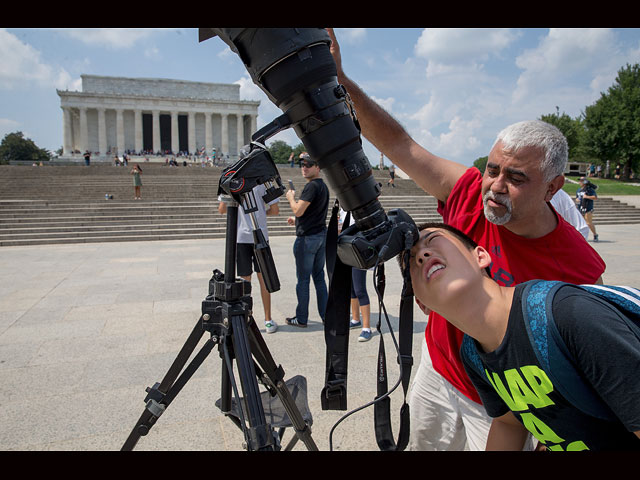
x,y
66,204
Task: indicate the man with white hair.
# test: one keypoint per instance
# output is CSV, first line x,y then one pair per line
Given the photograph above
x,y
507,211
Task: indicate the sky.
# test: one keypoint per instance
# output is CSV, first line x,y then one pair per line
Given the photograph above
x,y
452,89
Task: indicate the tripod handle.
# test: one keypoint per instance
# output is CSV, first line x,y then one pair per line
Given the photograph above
x,y
265,262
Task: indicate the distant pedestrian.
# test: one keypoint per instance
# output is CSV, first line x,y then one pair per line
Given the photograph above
x,y
392,176
87,157
137,181
585,196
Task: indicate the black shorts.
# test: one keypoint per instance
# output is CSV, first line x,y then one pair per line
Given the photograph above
x,y
245,258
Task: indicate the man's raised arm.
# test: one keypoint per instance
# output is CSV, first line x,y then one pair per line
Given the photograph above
x,y
435,175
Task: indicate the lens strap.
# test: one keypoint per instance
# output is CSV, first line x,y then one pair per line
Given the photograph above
x,y
336,321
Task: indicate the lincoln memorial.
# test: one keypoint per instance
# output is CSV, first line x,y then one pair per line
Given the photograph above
x,y
114,115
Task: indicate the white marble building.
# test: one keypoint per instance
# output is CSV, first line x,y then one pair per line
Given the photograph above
x,y
112,115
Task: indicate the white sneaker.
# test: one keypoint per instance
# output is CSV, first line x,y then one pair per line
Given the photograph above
x,y
270,326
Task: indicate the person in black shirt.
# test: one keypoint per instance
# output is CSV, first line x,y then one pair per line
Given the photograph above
x,y
449,275
310,215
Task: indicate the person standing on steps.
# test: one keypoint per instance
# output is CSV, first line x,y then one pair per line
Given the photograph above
x,y
137,182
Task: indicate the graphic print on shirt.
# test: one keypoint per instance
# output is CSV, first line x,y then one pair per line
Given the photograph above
x,y
523,389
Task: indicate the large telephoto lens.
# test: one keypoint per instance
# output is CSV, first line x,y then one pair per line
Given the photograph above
x,y
296,70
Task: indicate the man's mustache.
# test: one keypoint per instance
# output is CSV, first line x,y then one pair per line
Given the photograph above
x,y
501,198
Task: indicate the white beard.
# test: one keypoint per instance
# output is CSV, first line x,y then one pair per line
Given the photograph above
x,y
489,212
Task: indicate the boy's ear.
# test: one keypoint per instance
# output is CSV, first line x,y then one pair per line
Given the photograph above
x,y
483,256
422,307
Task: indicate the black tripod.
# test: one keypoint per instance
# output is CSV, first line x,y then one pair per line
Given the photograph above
x,y
226,314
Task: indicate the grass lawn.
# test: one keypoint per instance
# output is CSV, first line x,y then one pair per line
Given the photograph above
x,y
605,187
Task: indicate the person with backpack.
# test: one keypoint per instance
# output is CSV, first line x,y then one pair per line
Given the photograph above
x,y
585,197
508,350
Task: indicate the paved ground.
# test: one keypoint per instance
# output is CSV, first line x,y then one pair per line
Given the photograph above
x,y
84,329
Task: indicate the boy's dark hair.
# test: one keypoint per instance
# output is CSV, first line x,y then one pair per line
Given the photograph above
x,y
463,237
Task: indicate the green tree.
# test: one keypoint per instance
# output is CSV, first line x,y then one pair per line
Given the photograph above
x,y
280,151
613,121
573,130
481,163
15,147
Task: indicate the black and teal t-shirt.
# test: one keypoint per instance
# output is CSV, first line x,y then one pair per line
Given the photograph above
x,y
606,352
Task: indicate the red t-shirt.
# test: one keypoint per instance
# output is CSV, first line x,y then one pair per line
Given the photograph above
x,y
560,255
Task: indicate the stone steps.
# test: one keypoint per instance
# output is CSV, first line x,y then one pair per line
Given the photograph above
x,y
47,205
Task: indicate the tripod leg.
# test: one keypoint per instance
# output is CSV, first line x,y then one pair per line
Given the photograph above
x,y
162,394
275,376
260,434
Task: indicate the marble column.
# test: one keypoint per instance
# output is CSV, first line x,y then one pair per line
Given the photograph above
x,y
156,131
84,134
208,137
120,131
254,124
66,131
137,115
224,148
102,132
175,140
191,128
240,132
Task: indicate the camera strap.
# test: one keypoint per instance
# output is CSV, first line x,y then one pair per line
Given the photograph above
x,y
336,321
382,406
336,328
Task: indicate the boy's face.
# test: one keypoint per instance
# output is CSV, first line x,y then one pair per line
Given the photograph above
x,y
442,267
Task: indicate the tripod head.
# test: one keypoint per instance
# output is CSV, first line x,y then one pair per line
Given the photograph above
x,y
239,182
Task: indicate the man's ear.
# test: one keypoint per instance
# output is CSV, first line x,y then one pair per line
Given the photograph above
x,y
553,186
422,307
483,257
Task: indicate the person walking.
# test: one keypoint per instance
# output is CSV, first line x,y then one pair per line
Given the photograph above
x,y
137,182
392,176
585,196
310,217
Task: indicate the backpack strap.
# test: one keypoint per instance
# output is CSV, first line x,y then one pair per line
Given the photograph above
x,y
469,351
625,299
551,351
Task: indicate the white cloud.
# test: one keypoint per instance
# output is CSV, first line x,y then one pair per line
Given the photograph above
x,y
462,45
351,36
21,64
152,53
588,57
110,37
8,126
